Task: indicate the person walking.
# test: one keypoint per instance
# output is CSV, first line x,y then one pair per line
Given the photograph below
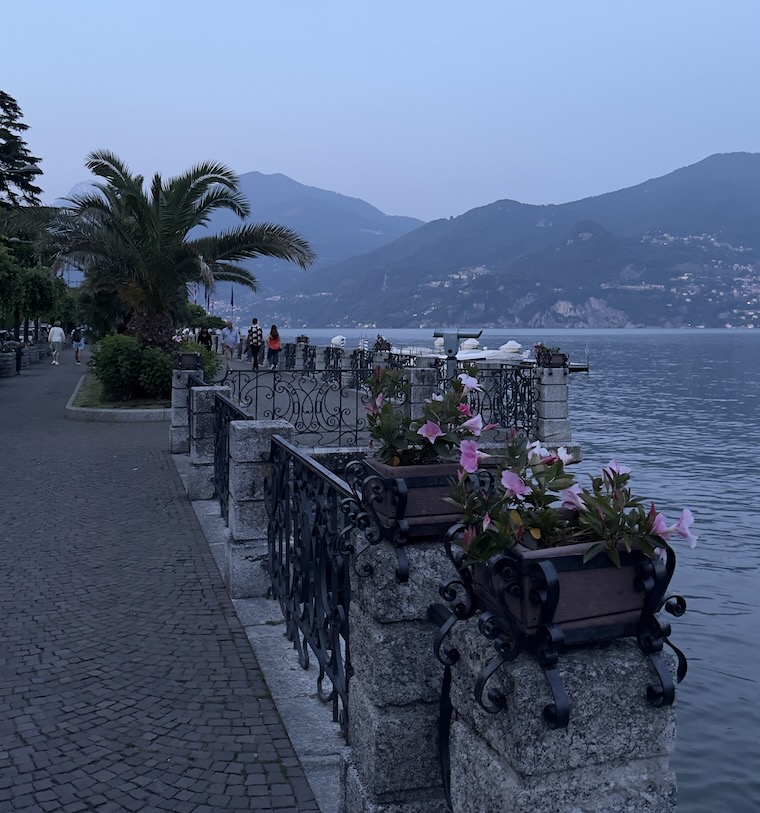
x,y
204,338
273,346
77,342
255,340
230,342
56,338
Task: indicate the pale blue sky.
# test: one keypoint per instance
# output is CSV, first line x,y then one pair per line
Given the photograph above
x,y
421,107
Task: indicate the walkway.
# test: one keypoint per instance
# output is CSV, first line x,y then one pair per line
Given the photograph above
x,y
126,680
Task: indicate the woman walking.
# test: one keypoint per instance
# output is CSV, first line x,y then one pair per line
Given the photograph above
x,y
273,346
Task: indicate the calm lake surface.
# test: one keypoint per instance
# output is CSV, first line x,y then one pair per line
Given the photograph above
x,y
682,410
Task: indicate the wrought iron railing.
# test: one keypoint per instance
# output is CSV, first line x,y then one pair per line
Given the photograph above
x,y
324,406
333,362
308,563
398,361
508,396
362,364
225,411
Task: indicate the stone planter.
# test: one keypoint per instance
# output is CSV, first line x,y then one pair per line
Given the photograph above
x,y
592,601
410,500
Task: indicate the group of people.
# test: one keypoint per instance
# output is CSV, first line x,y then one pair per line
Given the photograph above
x,y
252,344
57,338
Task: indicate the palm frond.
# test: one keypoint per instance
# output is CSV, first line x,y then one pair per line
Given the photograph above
x,y
256,240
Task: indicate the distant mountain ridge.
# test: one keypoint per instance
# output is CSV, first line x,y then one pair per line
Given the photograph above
x,y
682,249
336,226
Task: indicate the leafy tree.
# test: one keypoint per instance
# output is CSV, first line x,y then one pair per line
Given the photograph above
x,y
136,243
35,293
18,167
196,316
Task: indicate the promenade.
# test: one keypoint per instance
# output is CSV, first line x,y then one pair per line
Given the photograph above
x,y
127,682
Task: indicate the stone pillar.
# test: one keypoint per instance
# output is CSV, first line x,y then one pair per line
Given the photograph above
x,y
179,432
424,381
200,484
396,685
245,551
612,757
552,406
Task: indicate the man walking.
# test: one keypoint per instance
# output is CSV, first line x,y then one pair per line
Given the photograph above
x,y
255,340
77,342
230,341
56,338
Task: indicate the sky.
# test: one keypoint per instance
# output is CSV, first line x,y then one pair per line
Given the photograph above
x,y
425,108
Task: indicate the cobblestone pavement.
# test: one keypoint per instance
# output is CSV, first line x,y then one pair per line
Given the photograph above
x,y
126,680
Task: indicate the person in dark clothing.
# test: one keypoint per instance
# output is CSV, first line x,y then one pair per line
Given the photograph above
x,y
204,338
255,340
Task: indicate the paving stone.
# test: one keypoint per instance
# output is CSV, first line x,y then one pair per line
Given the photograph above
x,y
126,680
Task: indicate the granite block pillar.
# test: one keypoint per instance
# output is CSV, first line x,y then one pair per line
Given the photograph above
x,y
179,431
612,758
245,552
553,426
200,485
395,688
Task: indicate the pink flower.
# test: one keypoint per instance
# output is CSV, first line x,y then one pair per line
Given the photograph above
x,y
486,520
469,383
571,498
685,521
613,467
514,484
564,455
535,449
380,400
470,456
468,536
474,425
430,430
464,409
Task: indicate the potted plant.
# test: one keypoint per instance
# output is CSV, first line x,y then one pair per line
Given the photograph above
x,y
552,564
408,477
549,356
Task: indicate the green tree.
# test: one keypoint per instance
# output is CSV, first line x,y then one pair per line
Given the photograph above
x,y
136,243
18,167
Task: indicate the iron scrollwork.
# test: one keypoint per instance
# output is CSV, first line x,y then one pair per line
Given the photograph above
x,y
309,549
507,575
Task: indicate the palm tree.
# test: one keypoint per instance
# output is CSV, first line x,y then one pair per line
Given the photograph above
x,y
136,244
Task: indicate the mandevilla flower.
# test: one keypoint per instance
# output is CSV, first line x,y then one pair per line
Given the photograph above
x,y
430,430
465,410
685,521
474,425
514,484
570,498
470,455
470,383
613,467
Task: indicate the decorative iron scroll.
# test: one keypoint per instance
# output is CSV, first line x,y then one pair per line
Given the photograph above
x,y
362,364
333,363
324,410
508,398
225,411
312,513
506,574
398,361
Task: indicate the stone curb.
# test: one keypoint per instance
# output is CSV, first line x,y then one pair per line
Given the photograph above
x,y
74,413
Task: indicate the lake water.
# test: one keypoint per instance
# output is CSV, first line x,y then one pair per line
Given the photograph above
x,y
682,410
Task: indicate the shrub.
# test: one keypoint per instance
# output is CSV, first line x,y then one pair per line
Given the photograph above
x,y
116,364
156,373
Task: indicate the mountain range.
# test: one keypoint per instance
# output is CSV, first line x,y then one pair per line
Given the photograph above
x,y
675,251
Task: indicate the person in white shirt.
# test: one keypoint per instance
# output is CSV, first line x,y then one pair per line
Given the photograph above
x,y
56,338
230,341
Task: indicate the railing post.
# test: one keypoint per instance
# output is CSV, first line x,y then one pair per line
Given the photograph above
x,y
553,425
612,755
395,690
423,382
200,485
245,553
179,432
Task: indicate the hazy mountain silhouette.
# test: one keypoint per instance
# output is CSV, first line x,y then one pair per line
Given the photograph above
x,y
647,255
